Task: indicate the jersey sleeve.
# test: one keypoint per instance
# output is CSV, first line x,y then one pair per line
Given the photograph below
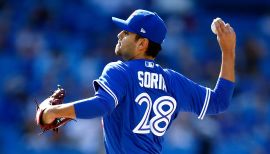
x,y
192,97
99,105
113,80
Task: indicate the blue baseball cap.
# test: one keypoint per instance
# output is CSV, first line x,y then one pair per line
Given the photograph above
x,y
144,23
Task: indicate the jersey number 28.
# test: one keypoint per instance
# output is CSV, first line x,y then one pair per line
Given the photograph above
x,y
162,116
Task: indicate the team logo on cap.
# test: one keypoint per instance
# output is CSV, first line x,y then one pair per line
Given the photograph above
x,y
142,30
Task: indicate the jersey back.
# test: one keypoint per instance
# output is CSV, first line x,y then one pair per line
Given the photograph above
x,y
145,105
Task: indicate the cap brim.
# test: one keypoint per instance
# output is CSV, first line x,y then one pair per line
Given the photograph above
x,y
121,24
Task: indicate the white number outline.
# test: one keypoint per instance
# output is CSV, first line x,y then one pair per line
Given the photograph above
x,y
160,114
142,127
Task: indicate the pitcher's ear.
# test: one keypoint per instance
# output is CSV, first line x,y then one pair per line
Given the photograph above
x,y
143,43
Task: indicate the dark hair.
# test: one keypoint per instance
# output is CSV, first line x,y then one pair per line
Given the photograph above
x,y
153,48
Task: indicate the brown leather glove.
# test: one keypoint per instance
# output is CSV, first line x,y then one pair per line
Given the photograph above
x,y
55,99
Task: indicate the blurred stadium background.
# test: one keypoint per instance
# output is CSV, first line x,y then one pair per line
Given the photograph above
x,y
68,42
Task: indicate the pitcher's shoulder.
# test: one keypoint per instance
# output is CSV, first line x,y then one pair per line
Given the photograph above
x,y
174,75
118,65
170,72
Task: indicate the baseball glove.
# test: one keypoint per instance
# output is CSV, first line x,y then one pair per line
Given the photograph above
x,y
55,99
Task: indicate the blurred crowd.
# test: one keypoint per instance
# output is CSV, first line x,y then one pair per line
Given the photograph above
x,y
68,42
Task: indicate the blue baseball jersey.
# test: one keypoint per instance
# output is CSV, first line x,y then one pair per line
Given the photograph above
x,y
147,99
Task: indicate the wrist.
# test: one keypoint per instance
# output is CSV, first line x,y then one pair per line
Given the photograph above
x,y
228,54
